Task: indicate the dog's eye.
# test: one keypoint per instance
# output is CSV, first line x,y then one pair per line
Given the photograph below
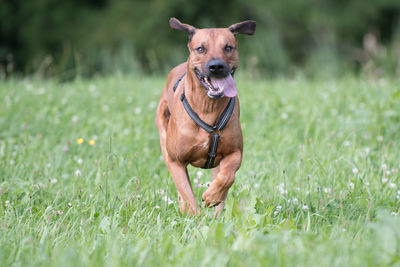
x,y
200,49
228,48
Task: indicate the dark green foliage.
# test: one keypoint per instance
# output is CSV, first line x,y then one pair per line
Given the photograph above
x,y
86,37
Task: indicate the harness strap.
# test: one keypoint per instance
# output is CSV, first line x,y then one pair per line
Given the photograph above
x,y
192,114
222,121
212,153
226,115
178,81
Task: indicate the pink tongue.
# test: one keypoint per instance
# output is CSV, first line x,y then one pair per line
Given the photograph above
x,y
227,83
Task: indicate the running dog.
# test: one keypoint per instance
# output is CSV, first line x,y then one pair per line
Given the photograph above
x,y
198,113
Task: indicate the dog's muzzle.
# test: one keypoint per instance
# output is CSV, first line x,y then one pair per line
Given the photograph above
x,y
217,86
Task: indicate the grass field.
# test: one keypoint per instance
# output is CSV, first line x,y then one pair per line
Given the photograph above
x,y
82,182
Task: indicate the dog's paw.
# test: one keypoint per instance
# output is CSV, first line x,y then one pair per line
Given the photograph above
x,y
214,195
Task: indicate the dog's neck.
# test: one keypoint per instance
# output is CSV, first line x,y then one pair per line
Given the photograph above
x,y
209,109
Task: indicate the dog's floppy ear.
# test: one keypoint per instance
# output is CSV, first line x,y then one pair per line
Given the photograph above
x,y
245,27
177,25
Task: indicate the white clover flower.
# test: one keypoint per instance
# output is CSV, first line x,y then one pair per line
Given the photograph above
x,y
327,190
168,200
199,174
256,185
351,185
394,213
305,208
53,181
7,203
379,138
295,201
346,143
138,110
284,116
105,108
75,119
79,161
384,166
384,180
355,170
78,173
196,180
41,91
279,207
392,185
69,205
388,172
367,150
157,207
173,223
152,105
281,189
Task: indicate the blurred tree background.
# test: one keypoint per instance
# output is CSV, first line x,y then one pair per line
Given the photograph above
x,y
88,37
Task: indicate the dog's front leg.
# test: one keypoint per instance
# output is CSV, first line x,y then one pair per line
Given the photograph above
x,y
186,198
219,208
223,180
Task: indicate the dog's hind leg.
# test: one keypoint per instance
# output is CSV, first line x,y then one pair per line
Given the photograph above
x,y
162,120
186,198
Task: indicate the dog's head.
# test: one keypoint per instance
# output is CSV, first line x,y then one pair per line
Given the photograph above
x,y
213,55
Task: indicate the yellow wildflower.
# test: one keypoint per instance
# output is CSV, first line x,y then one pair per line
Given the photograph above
x,y
79,141
92,142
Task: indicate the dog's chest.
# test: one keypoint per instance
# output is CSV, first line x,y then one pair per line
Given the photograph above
x,y
197,153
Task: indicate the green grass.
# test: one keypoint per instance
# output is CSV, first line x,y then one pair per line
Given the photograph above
x,y
319,184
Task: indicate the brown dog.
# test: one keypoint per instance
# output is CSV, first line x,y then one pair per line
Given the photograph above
x,y
198,113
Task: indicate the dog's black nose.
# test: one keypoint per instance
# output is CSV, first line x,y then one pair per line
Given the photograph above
x,y
217,67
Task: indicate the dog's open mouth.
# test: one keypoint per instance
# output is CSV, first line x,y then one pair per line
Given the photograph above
x,y
218,87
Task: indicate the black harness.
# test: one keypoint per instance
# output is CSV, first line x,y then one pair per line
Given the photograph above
x,y
214,137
